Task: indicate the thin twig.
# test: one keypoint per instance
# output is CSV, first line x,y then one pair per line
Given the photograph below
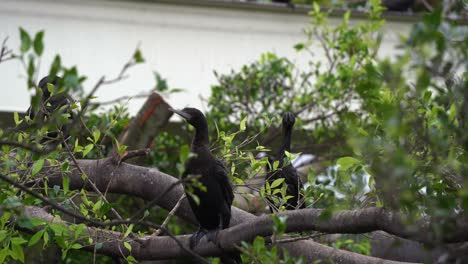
x,y
294,239
169,216
156,199
427,5
4,51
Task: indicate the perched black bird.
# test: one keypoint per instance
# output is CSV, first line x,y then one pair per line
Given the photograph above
x,y
213,210
398,5
288,172
48,105
287,2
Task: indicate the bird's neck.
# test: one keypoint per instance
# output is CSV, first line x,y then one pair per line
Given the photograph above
x,y
286,144
200,140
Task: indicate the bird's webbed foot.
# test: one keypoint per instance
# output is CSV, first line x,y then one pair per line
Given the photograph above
x,y
196,237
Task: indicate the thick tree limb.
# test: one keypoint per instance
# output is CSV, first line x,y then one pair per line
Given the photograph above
x,y
163,247
147,183
347,221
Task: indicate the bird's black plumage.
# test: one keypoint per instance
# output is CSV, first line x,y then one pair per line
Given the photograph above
x,y
398,5
49,104
288,172
213,210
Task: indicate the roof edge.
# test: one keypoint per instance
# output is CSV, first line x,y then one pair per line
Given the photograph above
x,y
297,9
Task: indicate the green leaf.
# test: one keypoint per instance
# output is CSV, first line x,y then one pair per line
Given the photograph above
x,y
242,124
259,243
316,7
65,166
3,254
29,222
122,149
38,43
299,46
66,184
346,16
46,238
76,246
17,119
137,56
79,230
346,163
452,112
17,252
275,164
31,67
96,135
427,96
277,182
50,88
56,65
87,149
129,230
128,246
3,234
25,40
36,237
37,166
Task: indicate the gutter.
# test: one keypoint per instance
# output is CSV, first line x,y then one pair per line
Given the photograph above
x,y
296,10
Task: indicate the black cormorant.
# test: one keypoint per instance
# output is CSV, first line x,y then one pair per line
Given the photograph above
x,y
213,208
48,105
288,172
398,5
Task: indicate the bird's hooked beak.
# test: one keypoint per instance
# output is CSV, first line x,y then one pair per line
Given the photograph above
x,y
181,113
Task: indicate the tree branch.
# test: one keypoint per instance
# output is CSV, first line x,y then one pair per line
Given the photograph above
x,y
164,247
149,183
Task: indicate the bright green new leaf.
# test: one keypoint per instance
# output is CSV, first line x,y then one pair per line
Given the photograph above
x,y
96,135
128,246
242,124
17,119
277,183
37,166
346,163
275,164
36,237
76,246
87,149
129,230
17,252
66,184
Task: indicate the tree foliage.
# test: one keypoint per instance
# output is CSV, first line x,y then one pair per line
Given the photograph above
x,y
386,132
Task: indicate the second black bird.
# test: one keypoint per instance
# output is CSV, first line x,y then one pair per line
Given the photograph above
x,y
288,172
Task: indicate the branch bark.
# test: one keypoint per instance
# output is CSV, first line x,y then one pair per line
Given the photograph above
x,y
147,183
163,247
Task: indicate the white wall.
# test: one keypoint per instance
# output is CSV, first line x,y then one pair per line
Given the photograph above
x,y
183,43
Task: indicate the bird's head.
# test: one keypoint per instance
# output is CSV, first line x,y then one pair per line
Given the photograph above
x,y
288,120
192,115
43,85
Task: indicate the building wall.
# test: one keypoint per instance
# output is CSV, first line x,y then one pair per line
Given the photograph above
x,y
183,43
